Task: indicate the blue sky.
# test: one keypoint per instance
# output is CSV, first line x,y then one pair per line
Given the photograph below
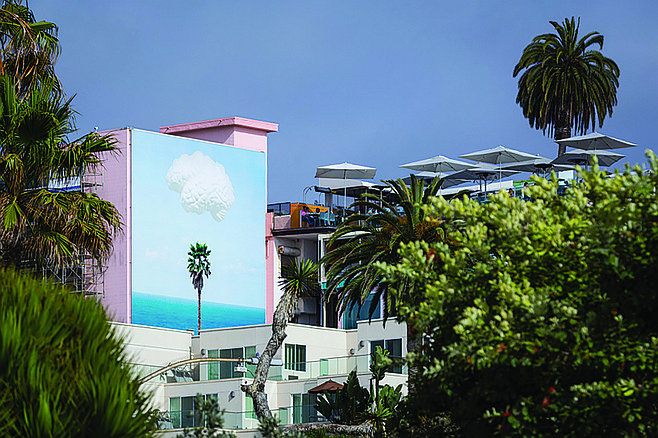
x,y
370,82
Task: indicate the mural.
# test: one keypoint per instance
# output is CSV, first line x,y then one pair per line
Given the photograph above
x,y
186,191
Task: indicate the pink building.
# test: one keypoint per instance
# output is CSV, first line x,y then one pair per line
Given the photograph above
x,y
233,141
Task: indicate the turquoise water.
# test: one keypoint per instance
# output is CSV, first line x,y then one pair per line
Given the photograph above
x,y
181,313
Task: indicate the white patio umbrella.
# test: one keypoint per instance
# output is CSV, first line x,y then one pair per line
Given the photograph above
x,y
584,158
540,166
437,164
424,176
595,141
499,155
483,172
345,171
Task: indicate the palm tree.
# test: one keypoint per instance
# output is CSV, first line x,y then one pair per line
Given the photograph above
x,y
28,48
199,266
298,279
43,224
566,84
353,274
371,238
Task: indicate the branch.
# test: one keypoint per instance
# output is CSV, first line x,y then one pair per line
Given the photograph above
x,y
256,390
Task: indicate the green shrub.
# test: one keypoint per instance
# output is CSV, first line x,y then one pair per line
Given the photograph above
x,y
62,370
539,318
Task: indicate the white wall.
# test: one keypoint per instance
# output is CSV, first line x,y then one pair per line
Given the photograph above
x,y
154,345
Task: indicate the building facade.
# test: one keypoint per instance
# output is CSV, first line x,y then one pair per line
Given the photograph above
x,y
206,182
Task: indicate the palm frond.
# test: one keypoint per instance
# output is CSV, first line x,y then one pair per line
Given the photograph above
x,y
364,240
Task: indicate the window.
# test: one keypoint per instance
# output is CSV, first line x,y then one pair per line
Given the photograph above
x,y
394,347
295,357
183,413
249,411
226,370
303,409
361,313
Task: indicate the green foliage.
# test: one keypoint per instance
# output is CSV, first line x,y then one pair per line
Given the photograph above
x,y
348,405
198,264
28,48
353,404
539,317
43,226
39,223
63,372
299,279
365,239
566,83
210,420
380,363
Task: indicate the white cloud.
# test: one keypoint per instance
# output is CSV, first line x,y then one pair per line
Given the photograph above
x,y
203,185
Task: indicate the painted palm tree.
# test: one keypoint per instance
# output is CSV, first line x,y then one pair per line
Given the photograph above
x,y
43,225
565,83
298,279
198,266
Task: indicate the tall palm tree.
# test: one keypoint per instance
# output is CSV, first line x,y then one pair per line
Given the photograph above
x,y
298,279
199,266
566,84
365,239
43,224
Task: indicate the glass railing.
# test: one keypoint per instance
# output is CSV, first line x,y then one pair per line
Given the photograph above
x,y
241,420
333,366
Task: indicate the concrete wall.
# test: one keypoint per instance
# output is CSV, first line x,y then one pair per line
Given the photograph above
x,y
153,345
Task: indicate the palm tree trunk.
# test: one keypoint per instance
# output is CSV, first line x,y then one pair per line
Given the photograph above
x,y
563,130
413,342
199,315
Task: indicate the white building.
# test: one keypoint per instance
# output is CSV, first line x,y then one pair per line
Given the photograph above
x,y
320,344
310,356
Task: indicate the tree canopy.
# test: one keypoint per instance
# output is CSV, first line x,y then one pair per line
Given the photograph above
x,y
565,83
46,215
538,317
28,48
49,218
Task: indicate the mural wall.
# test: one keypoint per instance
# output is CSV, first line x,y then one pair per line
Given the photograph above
x,y
186,191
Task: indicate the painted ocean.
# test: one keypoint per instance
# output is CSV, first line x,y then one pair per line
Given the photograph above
x,y
181,314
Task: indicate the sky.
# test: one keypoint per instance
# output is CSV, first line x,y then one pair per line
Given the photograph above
x,y
369,82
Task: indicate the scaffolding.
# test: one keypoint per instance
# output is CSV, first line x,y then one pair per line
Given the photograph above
x,y
91,278
79,272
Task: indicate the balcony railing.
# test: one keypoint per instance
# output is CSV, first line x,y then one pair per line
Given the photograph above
x,y
333,366
237,420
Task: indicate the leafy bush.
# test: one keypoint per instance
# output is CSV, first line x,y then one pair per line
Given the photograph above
x,y
539,317
62,369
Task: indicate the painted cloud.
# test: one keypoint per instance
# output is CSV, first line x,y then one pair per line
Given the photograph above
x,y
202,183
